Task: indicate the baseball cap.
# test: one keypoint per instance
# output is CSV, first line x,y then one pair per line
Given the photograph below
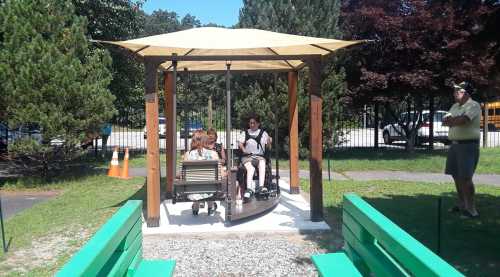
x,y
465,86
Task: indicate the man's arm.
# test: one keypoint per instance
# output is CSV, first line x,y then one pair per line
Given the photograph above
x,y
455,120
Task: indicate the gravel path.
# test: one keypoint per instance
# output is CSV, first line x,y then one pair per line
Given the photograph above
x,y
239,254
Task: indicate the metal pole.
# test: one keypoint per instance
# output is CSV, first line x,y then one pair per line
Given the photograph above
x,y
186,112
210,112
174,104
376,127
228,116
485,125
3,230
329,174
439,227
431,122
276,145
364,116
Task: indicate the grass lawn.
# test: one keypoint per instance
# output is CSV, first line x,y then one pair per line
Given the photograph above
x,y
51,231
382,159
472,246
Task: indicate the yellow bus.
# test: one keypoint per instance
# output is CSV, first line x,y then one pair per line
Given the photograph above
x,y
493,116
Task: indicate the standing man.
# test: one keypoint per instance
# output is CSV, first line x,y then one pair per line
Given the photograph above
x,y
463,119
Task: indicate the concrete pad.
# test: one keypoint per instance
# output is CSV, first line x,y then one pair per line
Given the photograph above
x,y
292,214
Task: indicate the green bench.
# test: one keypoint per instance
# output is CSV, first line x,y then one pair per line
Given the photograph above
x,y
375,246
116,249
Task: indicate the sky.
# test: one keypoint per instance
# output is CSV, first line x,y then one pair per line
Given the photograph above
x,y
221,12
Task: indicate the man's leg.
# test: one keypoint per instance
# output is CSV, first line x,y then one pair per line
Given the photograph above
x,y
468,192
460,193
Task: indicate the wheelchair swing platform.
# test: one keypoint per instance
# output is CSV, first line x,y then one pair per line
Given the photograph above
x,y
201,178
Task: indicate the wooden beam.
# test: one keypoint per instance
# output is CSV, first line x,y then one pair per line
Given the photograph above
x,y
293,126
174,57
223,71
153,149
169,141
316,140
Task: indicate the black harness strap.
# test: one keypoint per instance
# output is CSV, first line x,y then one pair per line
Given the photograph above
x,y
256,138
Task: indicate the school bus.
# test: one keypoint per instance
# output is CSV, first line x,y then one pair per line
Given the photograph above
x,y
493,116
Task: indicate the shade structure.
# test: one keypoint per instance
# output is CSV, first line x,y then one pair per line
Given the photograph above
x,y
209,48
218,50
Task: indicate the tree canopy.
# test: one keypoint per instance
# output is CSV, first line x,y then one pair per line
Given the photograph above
x,y
300,17
49,76
419,47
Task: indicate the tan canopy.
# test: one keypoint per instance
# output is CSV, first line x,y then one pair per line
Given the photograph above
x,y
209,48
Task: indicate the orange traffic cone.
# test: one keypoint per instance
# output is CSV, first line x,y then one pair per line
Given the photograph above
x,y
114,168
124,173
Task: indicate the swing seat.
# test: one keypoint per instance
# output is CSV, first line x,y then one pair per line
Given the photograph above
x,y
200,181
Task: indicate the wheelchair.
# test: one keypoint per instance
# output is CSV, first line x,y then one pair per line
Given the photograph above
x,y
272,187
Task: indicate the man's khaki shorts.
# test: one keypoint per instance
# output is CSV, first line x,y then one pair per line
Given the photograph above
x,y
462,160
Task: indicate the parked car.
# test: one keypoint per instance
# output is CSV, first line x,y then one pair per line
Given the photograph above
x,y
31,130
162,128
4,139
394,132
189,127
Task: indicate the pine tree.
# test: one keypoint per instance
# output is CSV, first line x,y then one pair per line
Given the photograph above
x,y
50,78
317,18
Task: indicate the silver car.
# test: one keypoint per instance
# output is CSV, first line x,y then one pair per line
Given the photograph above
x,y
394,132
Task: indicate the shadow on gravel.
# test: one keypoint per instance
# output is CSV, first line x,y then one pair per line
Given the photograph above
x,y
471,245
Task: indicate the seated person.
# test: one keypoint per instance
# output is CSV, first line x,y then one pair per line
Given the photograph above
x,y
199,151
217,147
253,148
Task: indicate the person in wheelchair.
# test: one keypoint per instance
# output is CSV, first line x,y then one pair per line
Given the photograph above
x,y
253,147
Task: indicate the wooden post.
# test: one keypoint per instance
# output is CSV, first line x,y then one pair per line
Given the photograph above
x,y
171,149
153,149
316,139
485,125
293,110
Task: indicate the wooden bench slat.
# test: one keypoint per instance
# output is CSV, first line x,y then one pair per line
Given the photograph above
x,y
155,267
120,267
93,255
335,264
415,257
135,263
356,259
356,228
378,263
131,236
